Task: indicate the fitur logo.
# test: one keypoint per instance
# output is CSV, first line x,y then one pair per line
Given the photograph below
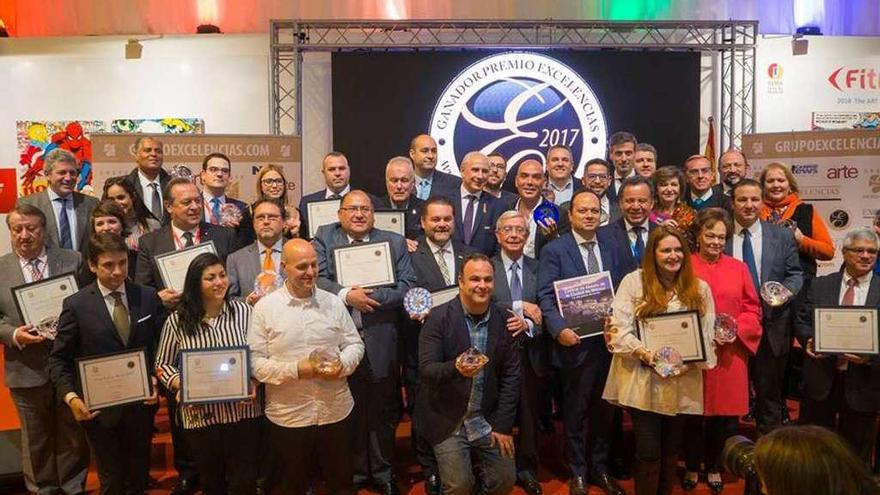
x,y
518,104
774,70
855,78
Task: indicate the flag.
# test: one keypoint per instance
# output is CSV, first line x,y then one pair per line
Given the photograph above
x,y
709,150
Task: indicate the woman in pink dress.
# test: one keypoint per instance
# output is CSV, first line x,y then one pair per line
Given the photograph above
x,y
725,387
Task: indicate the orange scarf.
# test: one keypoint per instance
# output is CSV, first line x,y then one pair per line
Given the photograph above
x,y
784,208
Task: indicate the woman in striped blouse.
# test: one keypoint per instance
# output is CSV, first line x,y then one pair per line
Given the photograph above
x,y
224,436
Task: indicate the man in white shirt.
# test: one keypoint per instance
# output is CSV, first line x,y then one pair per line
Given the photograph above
x,y
560,173
306,405
597,178
529,184
621,149
149,179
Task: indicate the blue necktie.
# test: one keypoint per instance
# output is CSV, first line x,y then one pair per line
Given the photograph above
x,y
66,240
749,257
698,203
515,283
639,246
423,189
215,210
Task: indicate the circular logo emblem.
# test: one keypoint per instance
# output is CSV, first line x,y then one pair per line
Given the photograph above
x,y
518,104
839,219
774,71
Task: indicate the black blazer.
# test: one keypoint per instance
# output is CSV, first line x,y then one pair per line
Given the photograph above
x,y
446,185
488,209
425,264
717,200
862,383
162,241
535,347
412,218
85,328
444,393
135,182
244,233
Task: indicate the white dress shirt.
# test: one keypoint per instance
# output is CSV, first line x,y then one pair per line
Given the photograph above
x,y
71,216
285,329
109,300
619,181
605,206
148,190
705,196
26,267
343,192
584,250
178,233
517,304
208,206
562,194
860,291
757,239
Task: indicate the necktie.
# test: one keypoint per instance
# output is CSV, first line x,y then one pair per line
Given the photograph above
x,y
639,246
592,261
849,296
444,268
268,262
215,210
334,196
156,206
469,219
698,203
120,317
515,283
187,239
65,239
748,255
36,273
424,187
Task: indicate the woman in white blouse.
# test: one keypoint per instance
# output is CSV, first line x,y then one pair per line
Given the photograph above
x,y
224,436
664,284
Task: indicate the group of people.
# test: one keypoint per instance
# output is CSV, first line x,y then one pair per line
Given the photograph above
x,y
670,237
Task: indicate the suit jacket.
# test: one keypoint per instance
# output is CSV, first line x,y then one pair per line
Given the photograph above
x,y
427,271
614,213
318,196
535,347
717,200
561,259
162,241
380,326
563,226
487,210
26,367
413,216
242,268
862,382
82,206
86,329
443,184
444,393
244,233
779,263
134,179
617,235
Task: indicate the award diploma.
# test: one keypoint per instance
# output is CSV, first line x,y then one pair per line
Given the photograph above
x,y
681,331
322,213
214,375
174,264
846,329
443,296
364,265
42,299
390,220
114,379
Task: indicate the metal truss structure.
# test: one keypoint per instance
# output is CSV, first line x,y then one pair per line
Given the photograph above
x,y
733,41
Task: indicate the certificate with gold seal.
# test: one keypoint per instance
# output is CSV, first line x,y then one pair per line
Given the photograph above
x,y
681,331
390,220
364,265
845,330
214,375
114,379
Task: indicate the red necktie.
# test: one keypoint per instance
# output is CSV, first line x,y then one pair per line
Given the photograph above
x,y
849,296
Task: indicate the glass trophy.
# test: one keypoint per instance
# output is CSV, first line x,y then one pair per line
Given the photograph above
x,y
668,362
47,327
725,328
775,294
418,301
325,360
229,214
472,358
267,281
181,172
544,211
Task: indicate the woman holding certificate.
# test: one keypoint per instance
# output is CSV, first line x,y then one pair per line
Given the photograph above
x,y
661,336
203,344
737,335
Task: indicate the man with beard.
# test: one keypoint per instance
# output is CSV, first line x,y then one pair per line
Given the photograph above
x,y
497,176
734,167
597,178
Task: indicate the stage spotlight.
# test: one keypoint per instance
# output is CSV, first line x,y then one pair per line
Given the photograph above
x,y
133,49
809,31
208,29
4,33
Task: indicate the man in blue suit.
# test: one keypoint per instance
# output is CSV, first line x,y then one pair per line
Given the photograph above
x,y
430,181
631,232
771,254
375,311
583,363
216,176
476,211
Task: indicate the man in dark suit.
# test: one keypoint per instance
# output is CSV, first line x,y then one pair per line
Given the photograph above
x,y
429,181
216,174
702,193
846,386
631,231
530,182
475,211
560,173
584,363
734,166
771,254
108,316
67,211
148,178
399,183
374,384
516,289
183,203
597,178
469,408
55,456
621,150
645,160
262,255
497,176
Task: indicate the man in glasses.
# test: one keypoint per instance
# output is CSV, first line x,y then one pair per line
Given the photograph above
x,y
702,193
597,178
216,177
375,312
496,178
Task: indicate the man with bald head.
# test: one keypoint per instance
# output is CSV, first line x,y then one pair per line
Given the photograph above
x,y
375,312
280,359
429,181
399,185
476,211
530,182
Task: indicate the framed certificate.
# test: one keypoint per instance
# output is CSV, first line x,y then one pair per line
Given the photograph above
x,y
443,296
390,220
114,379
682,331
214,375
364,265
321,213
846,329
174,264
584,302
42,299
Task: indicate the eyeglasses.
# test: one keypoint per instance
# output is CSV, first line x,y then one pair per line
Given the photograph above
x,y
353,209
272,182
872,251
507,229
699,171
